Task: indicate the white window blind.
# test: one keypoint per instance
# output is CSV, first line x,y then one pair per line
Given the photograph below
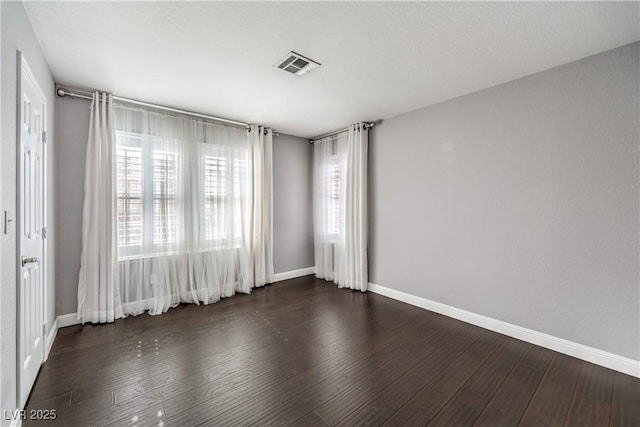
x,y
334,198
165,204
129,193
225,195
163,181
215,193
147,194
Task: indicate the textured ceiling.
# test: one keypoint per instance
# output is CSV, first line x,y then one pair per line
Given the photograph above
x,y
379,59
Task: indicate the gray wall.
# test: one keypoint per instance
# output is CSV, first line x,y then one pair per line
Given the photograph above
x,y
520,202
72,129
292,236
292,210
17,34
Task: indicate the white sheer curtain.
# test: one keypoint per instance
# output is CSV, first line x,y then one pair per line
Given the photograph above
x,y
191,225
98,291
261,140
340,207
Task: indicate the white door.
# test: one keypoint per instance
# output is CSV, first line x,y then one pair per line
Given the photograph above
x,y
31,226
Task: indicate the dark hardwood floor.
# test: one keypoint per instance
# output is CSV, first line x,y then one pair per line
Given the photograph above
x,y
305,353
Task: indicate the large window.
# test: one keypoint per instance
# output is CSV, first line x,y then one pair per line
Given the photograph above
x,y
163,206
189,226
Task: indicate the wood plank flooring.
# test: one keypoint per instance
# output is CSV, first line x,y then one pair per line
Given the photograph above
x,y
305,353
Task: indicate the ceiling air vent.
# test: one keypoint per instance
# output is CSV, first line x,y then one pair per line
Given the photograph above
x,y
297,64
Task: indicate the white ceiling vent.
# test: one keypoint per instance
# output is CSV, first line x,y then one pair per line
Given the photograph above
x,y
296,64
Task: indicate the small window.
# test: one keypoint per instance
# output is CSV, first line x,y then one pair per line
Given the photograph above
x,y
334,199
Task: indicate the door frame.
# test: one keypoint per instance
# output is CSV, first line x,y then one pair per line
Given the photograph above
x,y
23,70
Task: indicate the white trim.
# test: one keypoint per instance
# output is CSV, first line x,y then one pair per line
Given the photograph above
x,y
51,337
599,357
24,74
67,320
293,274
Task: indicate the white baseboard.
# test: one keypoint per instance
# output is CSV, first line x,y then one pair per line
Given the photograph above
x,y
293,274
599,357
51,337
67,320
580,351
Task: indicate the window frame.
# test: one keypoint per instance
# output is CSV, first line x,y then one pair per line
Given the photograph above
x,y
235,171
334,190
149,247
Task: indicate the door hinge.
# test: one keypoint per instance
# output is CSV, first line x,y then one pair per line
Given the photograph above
x,y
44,136
44,329
44,232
